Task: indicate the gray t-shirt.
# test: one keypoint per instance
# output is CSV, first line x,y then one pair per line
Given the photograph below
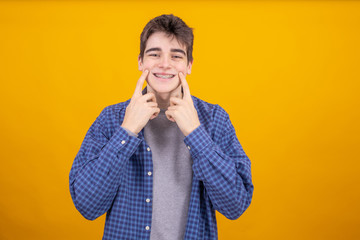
x,y
172,178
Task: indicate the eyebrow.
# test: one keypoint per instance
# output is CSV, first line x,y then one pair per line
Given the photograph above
x,y
172,50
178,50
153,49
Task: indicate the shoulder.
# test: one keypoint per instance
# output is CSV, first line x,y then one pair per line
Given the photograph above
x,y
206,109
212,116
113,110
112,116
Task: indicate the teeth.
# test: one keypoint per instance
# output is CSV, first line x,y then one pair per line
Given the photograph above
x,y
164,76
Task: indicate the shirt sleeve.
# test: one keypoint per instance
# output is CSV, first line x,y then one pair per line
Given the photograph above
x,y
98,167
222,165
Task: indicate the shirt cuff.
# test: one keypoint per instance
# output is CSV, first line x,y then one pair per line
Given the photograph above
x,y
121,142
130,132
198,140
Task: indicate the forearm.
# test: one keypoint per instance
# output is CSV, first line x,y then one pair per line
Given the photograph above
x,y
93,184
226,177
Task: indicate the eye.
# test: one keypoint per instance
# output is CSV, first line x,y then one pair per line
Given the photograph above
x,y
154,55
177,56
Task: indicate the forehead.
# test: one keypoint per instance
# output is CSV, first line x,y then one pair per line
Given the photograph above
x,y
164,42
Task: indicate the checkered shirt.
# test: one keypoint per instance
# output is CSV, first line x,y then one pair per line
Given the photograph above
x,y
112,173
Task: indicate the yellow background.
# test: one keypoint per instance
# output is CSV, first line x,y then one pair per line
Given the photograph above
x,y
287,72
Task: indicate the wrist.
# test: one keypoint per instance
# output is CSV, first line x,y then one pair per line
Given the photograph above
x,y
129,128
192,129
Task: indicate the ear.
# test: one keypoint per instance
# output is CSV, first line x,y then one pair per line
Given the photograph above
x,y
140,63
189,67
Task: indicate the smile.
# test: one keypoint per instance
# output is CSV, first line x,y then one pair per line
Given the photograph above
x,y
164,76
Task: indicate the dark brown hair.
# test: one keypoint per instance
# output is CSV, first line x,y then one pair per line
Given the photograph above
x,y
172,26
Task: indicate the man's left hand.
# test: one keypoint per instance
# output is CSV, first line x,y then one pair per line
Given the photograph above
x,y
182,111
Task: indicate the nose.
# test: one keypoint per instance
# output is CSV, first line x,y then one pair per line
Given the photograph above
x,y
164,62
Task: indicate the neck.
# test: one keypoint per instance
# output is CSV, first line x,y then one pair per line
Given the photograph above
x,y
163,99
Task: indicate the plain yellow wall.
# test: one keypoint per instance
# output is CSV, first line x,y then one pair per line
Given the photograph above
x,y
287,72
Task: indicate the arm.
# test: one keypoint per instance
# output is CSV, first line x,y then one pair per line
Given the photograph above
x,y
98,167
222,166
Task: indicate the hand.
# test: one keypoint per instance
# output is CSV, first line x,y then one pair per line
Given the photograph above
x,y
141,108
182,111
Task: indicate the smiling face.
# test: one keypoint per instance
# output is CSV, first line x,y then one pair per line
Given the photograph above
x,y
164,57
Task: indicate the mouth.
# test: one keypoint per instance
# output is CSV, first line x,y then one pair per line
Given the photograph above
x,y
164,76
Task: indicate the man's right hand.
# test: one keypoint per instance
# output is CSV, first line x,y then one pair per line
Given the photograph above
x,y
141,108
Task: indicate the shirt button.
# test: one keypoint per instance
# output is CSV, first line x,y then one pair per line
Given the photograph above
x,y
122,142
149,173
148,149
147,200
189,147
147,227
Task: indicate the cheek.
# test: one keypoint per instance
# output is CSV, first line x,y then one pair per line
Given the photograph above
x,y
147,63
181,68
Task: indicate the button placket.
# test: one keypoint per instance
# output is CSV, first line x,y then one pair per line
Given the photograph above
x,y
149,173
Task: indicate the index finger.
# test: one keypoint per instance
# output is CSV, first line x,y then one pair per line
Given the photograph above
x,y
185,86
140,82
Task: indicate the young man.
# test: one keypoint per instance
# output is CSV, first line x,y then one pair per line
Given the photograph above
x,y
162,162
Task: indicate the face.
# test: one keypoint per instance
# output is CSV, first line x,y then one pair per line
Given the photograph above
x,y
164,57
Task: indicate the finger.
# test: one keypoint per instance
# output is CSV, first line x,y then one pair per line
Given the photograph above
x,y
152,104
149,97
175,101
185,86
140,82
169,116
155,114
176,94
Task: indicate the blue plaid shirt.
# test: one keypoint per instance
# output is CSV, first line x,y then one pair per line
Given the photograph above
x,y
112,173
